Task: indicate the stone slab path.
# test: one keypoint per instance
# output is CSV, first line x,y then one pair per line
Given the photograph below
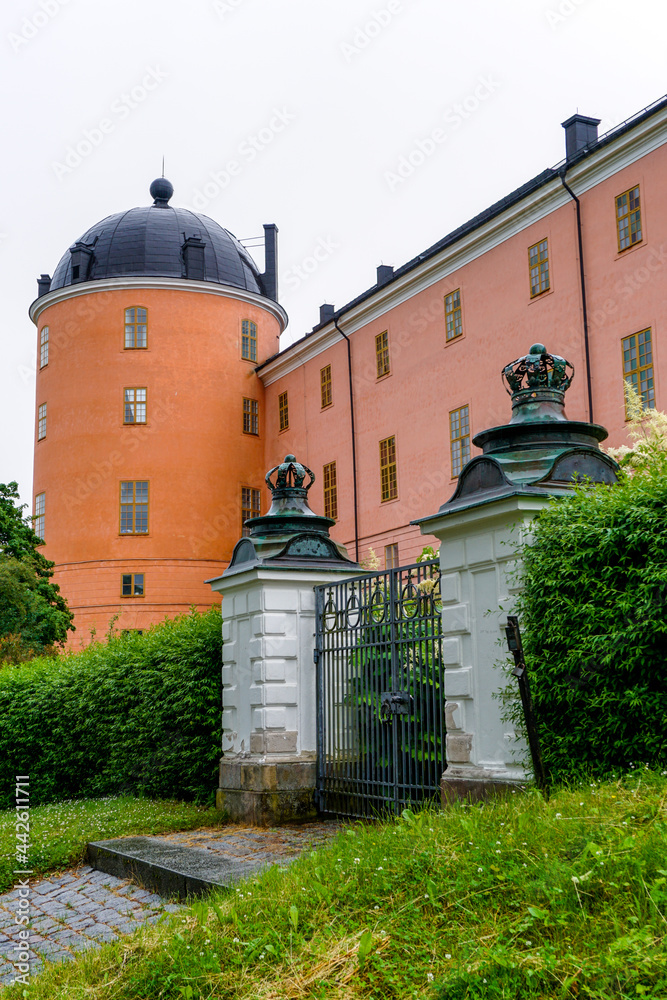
x,y
182,866
83,908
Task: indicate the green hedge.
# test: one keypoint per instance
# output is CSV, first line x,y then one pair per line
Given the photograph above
x,y
594,618
140,714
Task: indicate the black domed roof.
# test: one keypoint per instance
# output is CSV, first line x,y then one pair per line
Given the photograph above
x,y
153,241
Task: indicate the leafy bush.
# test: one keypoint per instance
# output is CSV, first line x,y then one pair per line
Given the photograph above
x,y
594,615
139,714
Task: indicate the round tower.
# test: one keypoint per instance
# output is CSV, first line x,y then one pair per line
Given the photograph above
x,y
149,448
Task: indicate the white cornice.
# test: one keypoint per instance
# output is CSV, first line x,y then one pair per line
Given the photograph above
x,y
621,152
169,284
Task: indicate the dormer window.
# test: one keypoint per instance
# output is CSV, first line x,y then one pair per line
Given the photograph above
x,y
193,258
82,261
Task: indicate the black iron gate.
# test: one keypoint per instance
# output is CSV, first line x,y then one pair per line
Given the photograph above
x,y
380,691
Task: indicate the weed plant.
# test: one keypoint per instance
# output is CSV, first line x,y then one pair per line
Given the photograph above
x,y
60,831
517,898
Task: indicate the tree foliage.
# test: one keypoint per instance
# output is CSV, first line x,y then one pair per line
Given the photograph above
x,y
34,615
594,615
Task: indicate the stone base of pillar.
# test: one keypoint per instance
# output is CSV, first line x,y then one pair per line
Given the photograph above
x,y
267,793
474,784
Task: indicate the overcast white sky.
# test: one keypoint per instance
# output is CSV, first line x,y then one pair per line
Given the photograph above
x,y
315,102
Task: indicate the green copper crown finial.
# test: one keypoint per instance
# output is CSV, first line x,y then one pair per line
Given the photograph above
x,y
290,534
537,370
290,478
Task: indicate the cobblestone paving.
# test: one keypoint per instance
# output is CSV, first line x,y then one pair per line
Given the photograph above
x,y
73,911
83,908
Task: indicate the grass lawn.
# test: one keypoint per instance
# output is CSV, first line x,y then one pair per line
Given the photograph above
x,y
515,899
60,831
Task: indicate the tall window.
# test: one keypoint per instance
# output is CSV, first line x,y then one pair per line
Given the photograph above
x,y
382,353
283,411
249,340
638,366
136,328
388,480
41,422
132,585
250,506
250,416
134,508
538,261
325,386
134,406
453,322
330,491
459,436
391,556
628,219
44,347
40,514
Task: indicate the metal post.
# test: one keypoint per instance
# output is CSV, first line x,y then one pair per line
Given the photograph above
x,y
319,680
521,673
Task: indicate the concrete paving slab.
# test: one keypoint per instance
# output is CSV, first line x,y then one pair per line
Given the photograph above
x,y
194,862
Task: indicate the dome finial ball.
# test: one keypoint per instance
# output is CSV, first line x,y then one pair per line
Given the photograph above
x,y
161,190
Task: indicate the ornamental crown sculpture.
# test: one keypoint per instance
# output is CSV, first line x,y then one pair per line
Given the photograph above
x,y
537,370
537,384
290,479
539,451
290,534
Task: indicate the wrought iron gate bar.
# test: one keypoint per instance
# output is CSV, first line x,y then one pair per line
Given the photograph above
x,y
380,691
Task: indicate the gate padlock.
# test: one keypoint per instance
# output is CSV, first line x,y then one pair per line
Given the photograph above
x,y
394,703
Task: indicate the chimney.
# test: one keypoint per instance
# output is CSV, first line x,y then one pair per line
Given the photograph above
x,y
385,273
270,275
326,313
580,132
43,284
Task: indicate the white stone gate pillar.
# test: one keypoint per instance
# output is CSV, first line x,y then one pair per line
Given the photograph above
x,y
525,463
269,719
268,765
478,562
